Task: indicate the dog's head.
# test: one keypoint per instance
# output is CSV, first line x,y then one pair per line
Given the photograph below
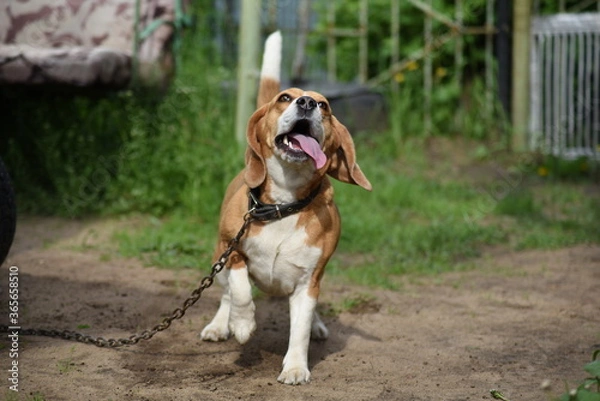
x,y
298,128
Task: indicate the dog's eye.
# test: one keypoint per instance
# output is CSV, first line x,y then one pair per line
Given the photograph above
x,y
322,105
285,98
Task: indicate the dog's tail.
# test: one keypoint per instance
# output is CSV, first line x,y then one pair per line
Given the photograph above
x,y
271,69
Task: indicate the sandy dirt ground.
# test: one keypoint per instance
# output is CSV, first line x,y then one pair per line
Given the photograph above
x,y
519,320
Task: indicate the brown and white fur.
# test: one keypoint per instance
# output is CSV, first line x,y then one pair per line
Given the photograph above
x,y
284,257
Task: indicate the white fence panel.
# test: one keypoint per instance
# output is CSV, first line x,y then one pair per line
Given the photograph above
x,y
565,85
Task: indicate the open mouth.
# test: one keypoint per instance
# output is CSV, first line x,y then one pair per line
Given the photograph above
x,y
299,145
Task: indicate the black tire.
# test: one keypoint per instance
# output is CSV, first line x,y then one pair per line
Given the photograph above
x,y
8,213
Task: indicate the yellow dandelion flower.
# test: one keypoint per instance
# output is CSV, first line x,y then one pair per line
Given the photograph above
x,y
412,65
542,171
399,77
441,72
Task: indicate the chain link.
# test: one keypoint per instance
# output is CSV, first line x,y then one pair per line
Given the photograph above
x,y
165,323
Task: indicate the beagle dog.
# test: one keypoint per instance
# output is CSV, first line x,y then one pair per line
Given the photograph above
x,y
294,143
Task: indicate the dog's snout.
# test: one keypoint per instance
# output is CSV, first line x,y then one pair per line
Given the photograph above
x,y
306,103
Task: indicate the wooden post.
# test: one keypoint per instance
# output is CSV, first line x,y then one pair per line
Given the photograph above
x,y
561,6
395,38
459,63
503,54
303,28
331,43
363,49
520,68
248,65
489,60
427,71
271,15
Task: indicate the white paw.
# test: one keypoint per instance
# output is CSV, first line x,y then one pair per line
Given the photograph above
x,y
242,329
319,331
296,375
215,332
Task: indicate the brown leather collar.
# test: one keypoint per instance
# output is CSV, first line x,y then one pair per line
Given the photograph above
x,y
267,212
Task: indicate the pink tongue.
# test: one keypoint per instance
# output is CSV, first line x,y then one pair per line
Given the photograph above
x,y
311,147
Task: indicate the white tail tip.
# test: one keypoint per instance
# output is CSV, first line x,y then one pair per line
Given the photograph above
x,y
272,56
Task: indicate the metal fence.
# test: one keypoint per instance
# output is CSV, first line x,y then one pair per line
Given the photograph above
x,y
565,85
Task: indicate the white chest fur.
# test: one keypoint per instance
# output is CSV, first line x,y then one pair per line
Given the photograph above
x,y
279,259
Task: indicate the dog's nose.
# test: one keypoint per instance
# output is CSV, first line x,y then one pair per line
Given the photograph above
x,y
306,103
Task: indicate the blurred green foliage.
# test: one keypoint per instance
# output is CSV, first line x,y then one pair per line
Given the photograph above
x,y
411,37
72,154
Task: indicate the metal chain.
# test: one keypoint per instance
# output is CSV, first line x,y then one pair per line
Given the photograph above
x,y
165,323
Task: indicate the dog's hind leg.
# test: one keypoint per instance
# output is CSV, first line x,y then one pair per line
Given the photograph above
x,y
318,330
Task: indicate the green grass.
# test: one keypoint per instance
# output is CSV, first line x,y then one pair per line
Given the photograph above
x,y
518,203
416,221
177,241
408,224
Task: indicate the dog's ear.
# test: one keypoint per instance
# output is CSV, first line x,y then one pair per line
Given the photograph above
x,y
256,170
343,165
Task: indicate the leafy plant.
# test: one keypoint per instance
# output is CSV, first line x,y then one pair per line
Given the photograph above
x,y
589,389
411,26
556,167
553,6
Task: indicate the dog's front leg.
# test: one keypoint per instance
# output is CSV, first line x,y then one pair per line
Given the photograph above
x,y
218,328
241,315
295,364
236,311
